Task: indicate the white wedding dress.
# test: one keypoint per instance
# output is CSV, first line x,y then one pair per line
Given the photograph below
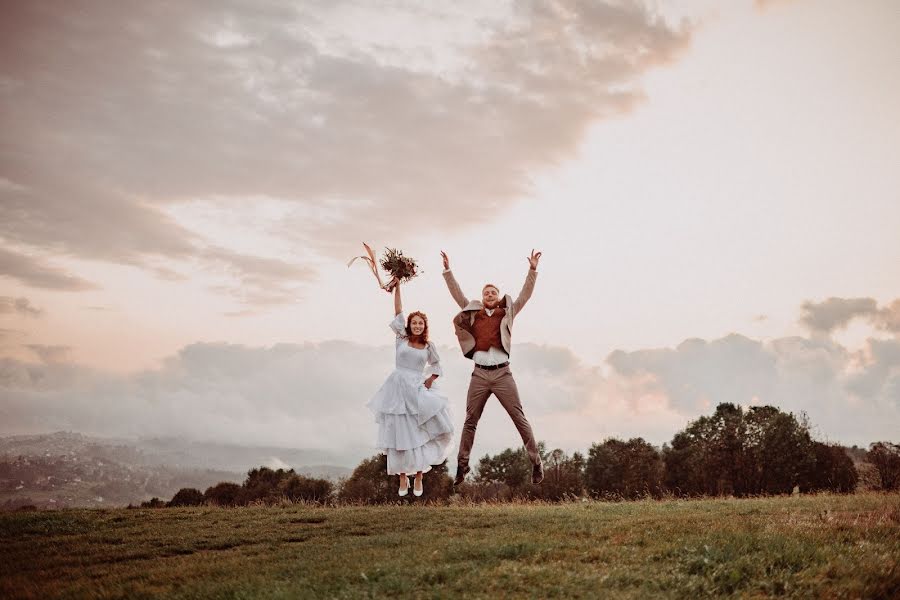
x,y
415,429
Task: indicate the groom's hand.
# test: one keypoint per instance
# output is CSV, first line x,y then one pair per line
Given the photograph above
x,y
446,260
533,260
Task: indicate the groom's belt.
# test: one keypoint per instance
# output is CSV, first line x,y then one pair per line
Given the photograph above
x,y
492,367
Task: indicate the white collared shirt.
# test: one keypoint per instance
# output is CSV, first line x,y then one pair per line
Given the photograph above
x,y
493,356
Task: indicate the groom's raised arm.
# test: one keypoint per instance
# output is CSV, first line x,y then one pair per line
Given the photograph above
x,y
530,279
527,290
452,285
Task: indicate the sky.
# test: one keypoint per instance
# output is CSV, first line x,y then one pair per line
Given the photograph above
x,y
715,188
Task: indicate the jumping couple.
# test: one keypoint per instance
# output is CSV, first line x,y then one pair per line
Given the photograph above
x,y
414,424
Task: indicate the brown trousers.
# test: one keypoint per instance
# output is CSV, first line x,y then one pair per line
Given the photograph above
x,y
499,382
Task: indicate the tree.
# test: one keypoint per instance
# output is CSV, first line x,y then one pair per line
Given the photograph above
x,y
631,469
438,483
706,458
779,451
725,453
762,451
885,456
186,497
370,484
507,475
510,467
300,488
834,470
684,465
225,493
270,487
563,476
262,485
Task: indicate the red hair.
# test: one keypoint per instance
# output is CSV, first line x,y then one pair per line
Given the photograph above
x,y
417,338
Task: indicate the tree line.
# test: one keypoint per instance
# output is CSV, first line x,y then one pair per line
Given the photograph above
x,y
262,486
733,452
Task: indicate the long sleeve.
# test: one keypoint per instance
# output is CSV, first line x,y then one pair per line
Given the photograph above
x,y
455,290
398,326
434,362
527,290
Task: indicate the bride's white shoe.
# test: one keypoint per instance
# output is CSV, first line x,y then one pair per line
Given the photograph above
x,y
418,491
404,490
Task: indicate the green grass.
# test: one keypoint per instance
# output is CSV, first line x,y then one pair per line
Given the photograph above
x,y
812,546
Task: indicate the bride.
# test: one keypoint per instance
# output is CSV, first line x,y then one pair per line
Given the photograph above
x,y
414,425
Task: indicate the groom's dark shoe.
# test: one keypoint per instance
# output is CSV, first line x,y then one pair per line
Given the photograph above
x,y
537,473
461,471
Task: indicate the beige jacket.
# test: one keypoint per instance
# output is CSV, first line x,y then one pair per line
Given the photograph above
x,y
463,321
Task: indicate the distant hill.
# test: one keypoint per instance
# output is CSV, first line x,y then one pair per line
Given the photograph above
x,y
70,469
330,472
215,455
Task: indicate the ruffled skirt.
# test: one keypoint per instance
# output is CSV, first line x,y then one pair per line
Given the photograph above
x,y
415,428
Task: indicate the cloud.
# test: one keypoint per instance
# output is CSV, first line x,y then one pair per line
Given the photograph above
x,y
836,313
301,396
879,375
698,374
307,396
262,281
154,104
93,224
21,306
888,318
34,272
50,354
314,395
65,212
763,5
850,396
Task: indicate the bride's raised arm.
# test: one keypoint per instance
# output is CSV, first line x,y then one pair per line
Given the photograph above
x,y
398,303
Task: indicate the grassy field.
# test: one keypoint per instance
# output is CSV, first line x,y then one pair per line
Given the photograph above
x,y
810,546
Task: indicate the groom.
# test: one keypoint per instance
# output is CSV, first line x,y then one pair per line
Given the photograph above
x,y
484,330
